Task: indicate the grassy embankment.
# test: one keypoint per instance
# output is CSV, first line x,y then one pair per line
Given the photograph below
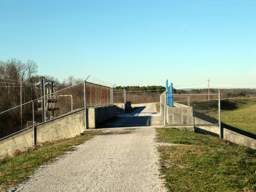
x,y
204,163
17,169
239,113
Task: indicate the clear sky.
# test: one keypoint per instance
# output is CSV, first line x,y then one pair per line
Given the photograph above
x,y
135,41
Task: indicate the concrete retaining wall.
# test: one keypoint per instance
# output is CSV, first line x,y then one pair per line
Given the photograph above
x,y
178,115
62,128
66,126
229,135
21,141
238,138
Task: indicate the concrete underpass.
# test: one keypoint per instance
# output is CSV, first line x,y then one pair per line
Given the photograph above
x,y
142,115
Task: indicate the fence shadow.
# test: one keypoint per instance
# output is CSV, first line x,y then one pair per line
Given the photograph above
x,y
205,132
223,125
237,130
205,117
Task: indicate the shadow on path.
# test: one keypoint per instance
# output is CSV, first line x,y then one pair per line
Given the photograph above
x,y
132,119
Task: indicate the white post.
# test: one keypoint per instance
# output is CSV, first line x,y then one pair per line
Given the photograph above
x,y
219,114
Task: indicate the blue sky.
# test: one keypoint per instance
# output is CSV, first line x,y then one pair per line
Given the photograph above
x,y
135,42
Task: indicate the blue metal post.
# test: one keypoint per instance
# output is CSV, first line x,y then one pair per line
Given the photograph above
x,y
169,94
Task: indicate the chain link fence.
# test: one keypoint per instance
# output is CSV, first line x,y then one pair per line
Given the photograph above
x,y
136,97
222,108
205,107
53,105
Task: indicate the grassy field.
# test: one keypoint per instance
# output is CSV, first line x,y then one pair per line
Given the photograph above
x,y
200,163
17,169
240,113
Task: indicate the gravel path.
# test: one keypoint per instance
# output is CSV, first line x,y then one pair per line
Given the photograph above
x,y
120,160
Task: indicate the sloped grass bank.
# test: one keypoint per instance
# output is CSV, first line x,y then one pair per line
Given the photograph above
x,y
17,169
239,113
204,163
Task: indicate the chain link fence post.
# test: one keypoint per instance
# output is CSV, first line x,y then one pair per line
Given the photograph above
x,y
219,114
124,92
33,124
165,109
188,100
85,106
111,96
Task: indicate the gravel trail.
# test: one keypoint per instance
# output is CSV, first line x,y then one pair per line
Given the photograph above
x,y
120,160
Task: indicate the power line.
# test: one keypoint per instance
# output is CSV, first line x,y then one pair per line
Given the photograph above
x,y
9,83
7,86
10,80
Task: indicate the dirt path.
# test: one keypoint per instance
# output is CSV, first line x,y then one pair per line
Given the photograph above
x,y
120,160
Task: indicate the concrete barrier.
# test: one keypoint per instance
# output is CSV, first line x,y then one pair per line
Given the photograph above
x,y
239,139
245,139
20,141
178,115
63,127
67,126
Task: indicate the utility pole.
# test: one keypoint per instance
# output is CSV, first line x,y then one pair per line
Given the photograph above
x,y
208,89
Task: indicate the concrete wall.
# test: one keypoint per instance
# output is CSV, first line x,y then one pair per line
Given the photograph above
x,y
66,126
20,141
238,138
178,115
229,135
62,128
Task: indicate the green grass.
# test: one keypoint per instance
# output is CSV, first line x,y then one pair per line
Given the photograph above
x,y
240,113
205,164
17,169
